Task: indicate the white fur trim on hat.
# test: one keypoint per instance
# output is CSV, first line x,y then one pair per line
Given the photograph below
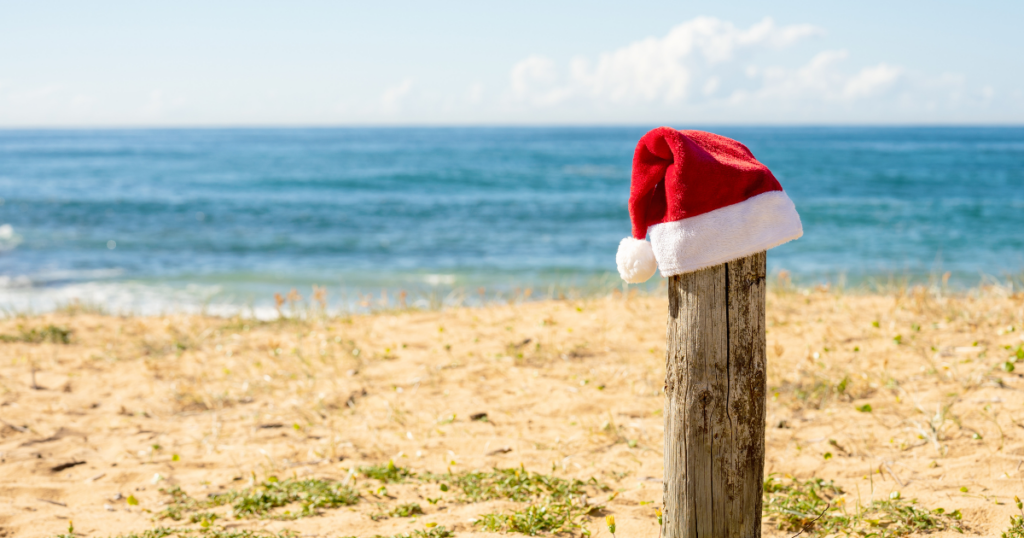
x,y
729,233
635,260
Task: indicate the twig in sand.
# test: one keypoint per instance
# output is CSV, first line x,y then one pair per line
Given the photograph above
x,y
19,428
813,521
68,465
34,386
58,503
892,474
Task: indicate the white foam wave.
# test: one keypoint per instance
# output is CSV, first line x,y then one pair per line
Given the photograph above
x,y
44,278
130,297
437,280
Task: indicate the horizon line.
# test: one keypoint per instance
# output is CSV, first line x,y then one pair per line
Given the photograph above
x,y
228,126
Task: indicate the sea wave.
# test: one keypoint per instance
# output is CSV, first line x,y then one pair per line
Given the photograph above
x,y
54,277
123,297
437,280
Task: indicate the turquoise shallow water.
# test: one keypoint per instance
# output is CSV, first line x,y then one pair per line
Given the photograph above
x,y
157,220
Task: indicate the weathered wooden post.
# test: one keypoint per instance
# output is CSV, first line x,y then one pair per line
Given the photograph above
x,y
715,400
711,211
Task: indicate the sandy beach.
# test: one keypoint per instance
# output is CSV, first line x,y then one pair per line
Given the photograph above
x,y
118,425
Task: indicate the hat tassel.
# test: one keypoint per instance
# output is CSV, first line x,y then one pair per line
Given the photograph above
x,y
635,260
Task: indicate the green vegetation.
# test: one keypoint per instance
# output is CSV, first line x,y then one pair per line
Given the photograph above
x,y
795,506
311,495
407,510
517,485
402,510
537,518
163,532
435,532
552,504
548,505
817,507
1016,529
51,333
820,391
389,473
203,518
555,504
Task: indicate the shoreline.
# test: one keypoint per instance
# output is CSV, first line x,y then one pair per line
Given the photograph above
x,y
133,298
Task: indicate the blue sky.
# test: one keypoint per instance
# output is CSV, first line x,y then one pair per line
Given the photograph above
x,y
227,63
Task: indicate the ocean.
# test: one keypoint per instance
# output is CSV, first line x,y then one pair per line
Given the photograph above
x,y
218,220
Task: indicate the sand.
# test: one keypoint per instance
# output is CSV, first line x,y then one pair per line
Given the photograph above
x,y
569,388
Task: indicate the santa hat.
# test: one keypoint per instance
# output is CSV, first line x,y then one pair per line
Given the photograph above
x,y
705,200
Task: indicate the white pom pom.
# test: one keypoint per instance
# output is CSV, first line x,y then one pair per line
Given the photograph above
x,y
635,260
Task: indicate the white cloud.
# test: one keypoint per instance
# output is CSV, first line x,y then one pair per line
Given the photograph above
x,y
535,79
532,71
821,79
871,81
710,68
392,98
55,103
653,69
711,86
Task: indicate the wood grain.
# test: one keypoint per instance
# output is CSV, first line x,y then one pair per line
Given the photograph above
x,y
715,401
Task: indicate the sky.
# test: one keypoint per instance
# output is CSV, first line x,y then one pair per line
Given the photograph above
x,y
304,62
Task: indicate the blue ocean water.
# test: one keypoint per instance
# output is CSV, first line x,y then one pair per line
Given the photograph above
x,y
159,220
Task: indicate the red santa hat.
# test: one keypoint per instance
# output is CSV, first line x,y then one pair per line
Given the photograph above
x,y
704,200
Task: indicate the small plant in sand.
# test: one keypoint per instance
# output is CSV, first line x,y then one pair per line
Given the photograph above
x,y
389,473
1016,529
817,391
48,334
536,519
312,495
808,506
402,510
438,531
407,510
204,519
165,532
555,504
817,507
70,533
518,485
261,501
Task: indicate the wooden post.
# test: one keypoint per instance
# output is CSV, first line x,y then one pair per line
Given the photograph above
x,y
715,401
